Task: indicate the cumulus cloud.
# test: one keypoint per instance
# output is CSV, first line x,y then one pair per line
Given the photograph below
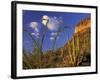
x,y
54,33
33,34
54,23
51,38
34,25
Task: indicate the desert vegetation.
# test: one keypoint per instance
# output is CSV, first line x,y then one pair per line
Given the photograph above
x,y
76,52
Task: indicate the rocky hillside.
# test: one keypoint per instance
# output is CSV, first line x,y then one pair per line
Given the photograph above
x,y
83,25
78,48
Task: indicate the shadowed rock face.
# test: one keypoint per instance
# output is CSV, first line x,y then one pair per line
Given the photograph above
x,y
85,23
79,47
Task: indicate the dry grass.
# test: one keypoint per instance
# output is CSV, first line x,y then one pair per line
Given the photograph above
x,y
75,53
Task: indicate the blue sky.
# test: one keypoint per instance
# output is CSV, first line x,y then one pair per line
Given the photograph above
x,y
66,18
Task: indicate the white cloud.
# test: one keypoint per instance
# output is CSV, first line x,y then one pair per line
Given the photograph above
x,y
53,24
45,17
34,25
51,38
54,33
45,20
33,34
